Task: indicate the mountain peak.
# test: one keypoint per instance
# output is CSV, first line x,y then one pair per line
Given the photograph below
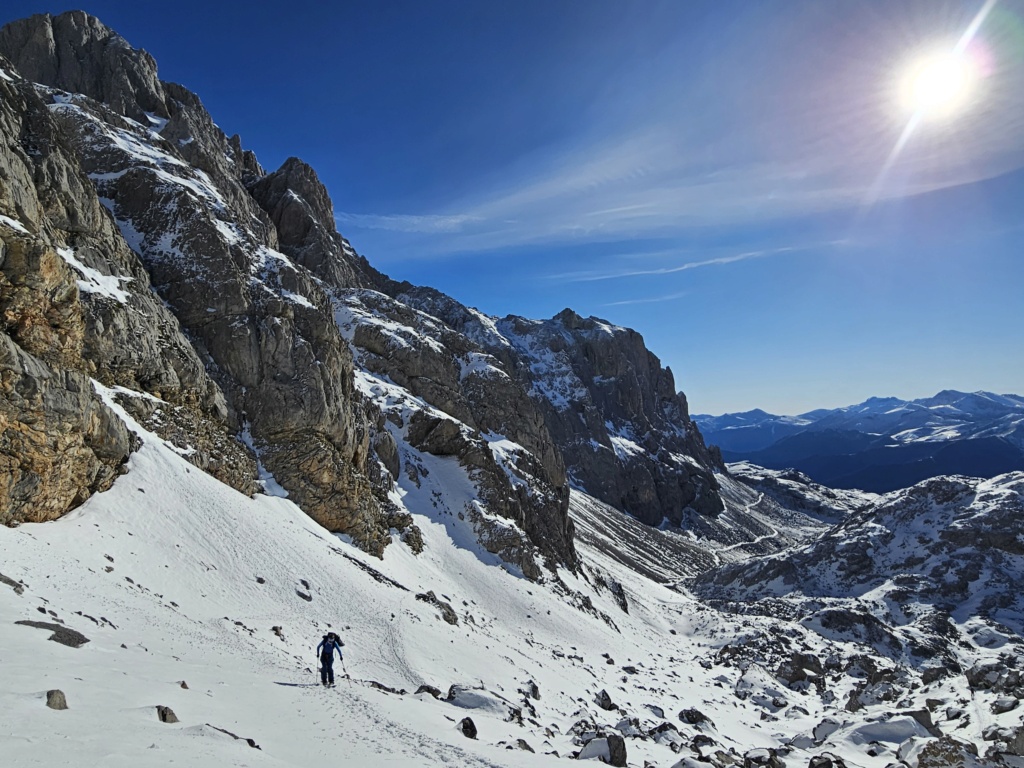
x,y
76,52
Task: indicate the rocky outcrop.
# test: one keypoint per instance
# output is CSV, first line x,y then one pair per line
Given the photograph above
x,y
613,412
79,52
302,211
77,304
260,325
219,305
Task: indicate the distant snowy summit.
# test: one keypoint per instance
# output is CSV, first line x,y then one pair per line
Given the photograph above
x,y
882,444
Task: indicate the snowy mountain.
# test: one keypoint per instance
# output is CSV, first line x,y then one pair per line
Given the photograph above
x,y
174,590
151,252
883,443
224,433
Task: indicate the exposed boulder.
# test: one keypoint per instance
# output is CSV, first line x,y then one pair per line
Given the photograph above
x,y
446,611
61,634
165,714
609,749
604,700
467,727
826,760
55,699
693,716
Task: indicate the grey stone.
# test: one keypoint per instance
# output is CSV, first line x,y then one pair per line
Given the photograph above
x,y
61,634
55,699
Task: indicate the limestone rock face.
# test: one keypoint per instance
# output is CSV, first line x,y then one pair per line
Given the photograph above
x,y
149,262
612,411
457,401
77,304
79,52
244,316
301,209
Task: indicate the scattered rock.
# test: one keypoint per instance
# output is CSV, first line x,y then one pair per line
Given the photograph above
x,y
166,714
61,634
1004,704
278,631
467,727
55,699
521,743
924,717
609,749
251,742
259,580
304,596
826,760
762,758
386,688
447,612
826,728
693,716
18,587
435,692
604,700
184,685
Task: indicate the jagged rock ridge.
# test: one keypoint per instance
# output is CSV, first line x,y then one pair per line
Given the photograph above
x,y
152,253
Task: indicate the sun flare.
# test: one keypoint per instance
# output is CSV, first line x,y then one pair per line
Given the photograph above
x,y
938,85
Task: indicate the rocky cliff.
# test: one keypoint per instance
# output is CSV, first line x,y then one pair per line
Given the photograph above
x,y
149,259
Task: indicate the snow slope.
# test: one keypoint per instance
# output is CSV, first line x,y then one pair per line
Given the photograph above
x,y
175,577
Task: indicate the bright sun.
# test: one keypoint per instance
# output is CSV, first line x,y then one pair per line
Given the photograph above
x,y
938,85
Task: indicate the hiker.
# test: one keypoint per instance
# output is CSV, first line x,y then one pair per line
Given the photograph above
x,y
325,651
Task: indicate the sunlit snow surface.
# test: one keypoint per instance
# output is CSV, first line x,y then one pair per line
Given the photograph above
x,y
161,573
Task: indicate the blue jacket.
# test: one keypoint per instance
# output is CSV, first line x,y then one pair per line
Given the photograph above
x,y
327,648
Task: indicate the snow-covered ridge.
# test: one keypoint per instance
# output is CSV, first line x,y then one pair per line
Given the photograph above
x,y
945,416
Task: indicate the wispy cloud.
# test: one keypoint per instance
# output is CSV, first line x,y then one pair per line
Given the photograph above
x,y
763,133
616,274
429,223
648,300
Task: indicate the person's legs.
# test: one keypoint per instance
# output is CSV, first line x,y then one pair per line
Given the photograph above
x,y
323,672
329,673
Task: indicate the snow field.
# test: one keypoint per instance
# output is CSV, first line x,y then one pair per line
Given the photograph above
x,y
169,563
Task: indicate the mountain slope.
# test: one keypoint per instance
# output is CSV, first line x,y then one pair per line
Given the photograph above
x,y
882,444
190,273
173,576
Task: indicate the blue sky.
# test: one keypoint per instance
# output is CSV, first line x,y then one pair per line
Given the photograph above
x,y
717,175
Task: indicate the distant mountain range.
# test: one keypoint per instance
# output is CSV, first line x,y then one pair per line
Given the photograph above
x,y
883,443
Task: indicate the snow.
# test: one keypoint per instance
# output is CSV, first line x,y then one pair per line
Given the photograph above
x,y
5,76
139,152
479,364
265,477
94,281
181,601
297,298
506,453
14,224
156,122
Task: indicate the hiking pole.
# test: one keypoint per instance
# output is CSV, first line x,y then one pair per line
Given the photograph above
x,y
345,671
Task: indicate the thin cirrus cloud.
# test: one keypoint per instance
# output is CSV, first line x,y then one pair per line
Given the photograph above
x,y
647,300
730,147
646,187
425,223
580,277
